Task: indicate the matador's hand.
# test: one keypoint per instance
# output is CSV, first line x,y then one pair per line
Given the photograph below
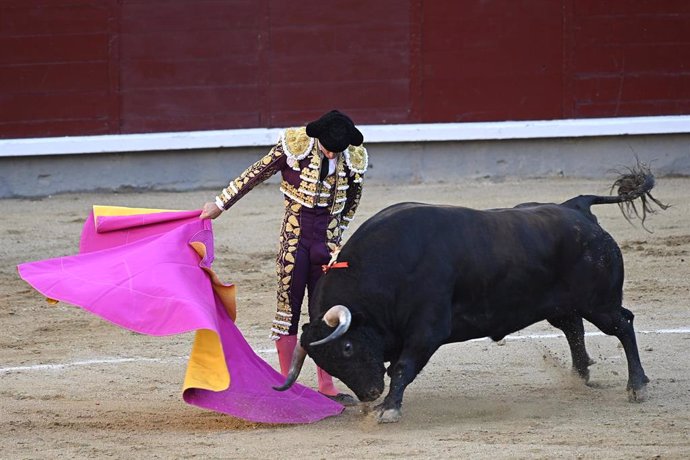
x,y
210,211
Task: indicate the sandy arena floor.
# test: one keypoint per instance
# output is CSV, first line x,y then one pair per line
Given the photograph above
x,y
74,386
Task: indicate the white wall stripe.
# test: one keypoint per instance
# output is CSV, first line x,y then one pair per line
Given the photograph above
x,y
52,367
421,132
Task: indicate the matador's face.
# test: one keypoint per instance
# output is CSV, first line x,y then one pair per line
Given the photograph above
x,y
327,153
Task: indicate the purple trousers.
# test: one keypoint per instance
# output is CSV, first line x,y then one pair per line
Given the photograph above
x,y
311,254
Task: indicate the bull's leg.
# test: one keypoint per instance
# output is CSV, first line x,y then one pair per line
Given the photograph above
x,y
391,366
620,324
402,373
574,332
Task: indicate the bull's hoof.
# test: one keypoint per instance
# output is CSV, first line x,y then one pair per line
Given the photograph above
x,y
582,375
389,416
637,395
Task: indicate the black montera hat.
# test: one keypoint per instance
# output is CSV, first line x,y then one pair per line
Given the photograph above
x,y
335,131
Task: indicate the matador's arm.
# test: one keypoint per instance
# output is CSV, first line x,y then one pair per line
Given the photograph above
x,y
257,173
354,194
357,160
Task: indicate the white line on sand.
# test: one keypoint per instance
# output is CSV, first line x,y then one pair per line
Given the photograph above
x,y
90,362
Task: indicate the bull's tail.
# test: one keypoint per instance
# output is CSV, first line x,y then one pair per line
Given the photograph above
x,y
636,182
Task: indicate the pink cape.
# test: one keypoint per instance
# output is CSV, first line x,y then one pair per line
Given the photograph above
x,y
150,271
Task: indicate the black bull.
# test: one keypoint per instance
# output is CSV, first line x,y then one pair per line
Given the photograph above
x,y
420,276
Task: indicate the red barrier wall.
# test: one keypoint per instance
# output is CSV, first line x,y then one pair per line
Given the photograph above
x,y
77,67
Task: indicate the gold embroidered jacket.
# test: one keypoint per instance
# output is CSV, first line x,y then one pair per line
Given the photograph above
x,y
297,157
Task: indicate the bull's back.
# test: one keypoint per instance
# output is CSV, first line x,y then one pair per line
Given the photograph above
x,y
411,232
503,269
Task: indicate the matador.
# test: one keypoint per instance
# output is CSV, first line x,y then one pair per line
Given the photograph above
x,y
322,167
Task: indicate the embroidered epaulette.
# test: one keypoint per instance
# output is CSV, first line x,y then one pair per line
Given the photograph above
x,y
357,158
296,143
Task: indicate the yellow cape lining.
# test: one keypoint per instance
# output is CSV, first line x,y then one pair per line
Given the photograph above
x,y
206,367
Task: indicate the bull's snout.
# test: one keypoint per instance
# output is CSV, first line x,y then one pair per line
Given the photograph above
x,y
370,395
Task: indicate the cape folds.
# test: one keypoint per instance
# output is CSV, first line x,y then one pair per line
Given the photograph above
x,y
149,271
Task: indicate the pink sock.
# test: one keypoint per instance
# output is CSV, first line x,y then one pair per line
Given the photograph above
x,y
285,346
326,385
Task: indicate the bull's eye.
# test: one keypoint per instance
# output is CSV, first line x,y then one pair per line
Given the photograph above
x,y
347,349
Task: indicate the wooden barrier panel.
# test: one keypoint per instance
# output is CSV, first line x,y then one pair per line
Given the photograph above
x,y
89,67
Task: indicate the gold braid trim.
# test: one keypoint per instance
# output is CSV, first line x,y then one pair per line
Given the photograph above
x,y
310,186
250,178
357,158
285,264
333,233
354,195
296,143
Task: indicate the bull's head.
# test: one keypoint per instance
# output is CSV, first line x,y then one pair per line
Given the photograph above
x,y
344,348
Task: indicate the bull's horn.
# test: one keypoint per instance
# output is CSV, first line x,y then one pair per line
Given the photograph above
x,y
337,315
295,367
